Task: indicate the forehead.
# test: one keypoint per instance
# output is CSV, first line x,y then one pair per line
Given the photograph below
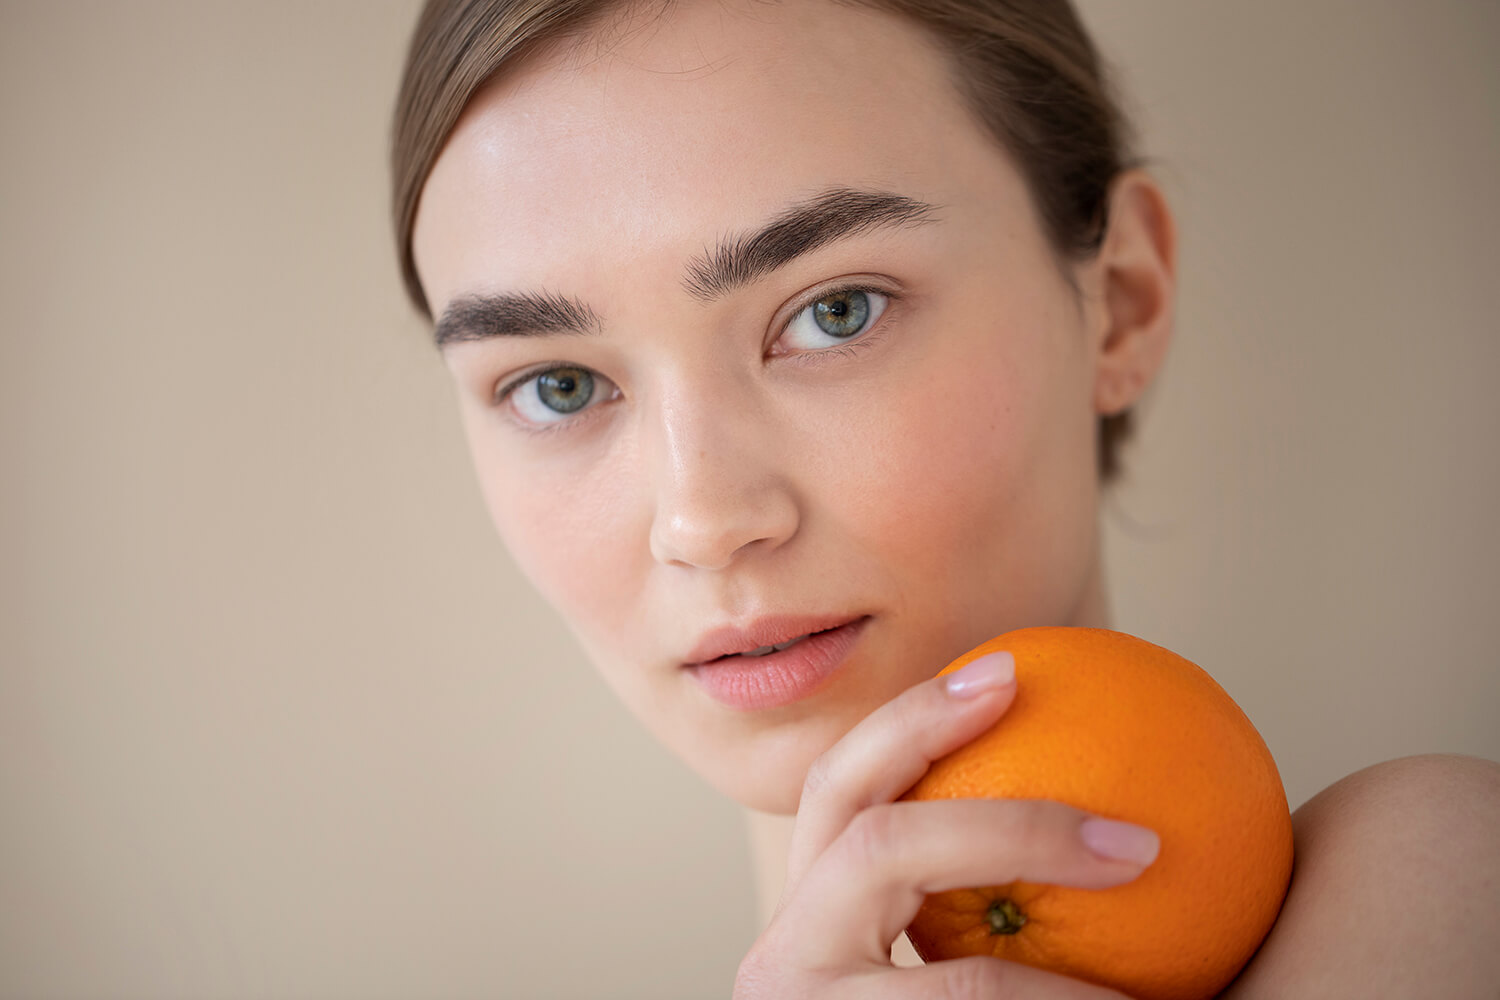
x,y
666,127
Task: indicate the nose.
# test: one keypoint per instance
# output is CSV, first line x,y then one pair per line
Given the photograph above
x,y
721,483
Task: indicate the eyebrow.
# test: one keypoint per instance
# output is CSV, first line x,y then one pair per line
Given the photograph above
x,y
479,317
836,214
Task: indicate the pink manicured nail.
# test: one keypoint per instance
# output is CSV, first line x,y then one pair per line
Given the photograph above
x,y
990,671
1118,841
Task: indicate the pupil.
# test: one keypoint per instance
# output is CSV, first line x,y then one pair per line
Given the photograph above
x,y
565,393
842,314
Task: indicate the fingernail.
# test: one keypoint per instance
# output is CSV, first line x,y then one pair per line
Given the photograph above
x,y
990,671
1109,838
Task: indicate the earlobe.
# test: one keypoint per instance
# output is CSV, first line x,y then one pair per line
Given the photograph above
x,y
1137,266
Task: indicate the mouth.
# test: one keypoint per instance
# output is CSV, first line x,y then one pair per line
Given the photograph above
x,y
774,647
765,636
780,673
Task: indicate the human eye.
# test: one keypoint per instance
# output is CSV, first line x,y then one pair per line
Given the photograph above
x,y
547,398
837,316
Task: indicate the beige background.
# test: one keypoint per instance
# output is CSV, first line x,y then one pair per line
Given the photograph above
x,y
277,717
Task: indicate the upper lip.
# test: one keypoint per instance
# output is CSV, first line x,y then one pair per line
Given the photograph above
x,y
767,631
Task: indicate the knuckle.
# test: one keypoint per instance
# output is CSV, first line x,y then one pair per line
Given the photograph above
x,y
1039,822
820,777
1038,832
772,970
1025,821
918,714
911,712
760,973
870,836
975,978
754,978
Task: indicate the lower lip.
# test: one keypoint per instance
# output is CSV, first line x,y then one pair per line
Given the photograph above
x,y
751,682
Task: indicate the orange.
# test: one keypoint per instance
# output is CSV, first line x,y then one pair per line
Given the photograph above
x,y
1124,729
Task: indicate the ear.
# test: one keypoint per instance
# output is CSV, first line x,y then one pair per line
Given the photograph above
x,y
1136,281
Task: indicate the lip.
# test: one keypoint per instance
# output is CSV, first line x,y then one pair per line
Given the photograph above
x,y
757,682
767,631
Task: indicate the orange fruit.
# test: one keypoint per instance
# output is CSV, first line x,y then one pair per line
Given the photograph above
x,y
1124,729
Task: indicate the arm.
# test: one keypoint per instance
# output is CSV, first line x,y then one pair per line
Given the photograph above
x,y
1396,890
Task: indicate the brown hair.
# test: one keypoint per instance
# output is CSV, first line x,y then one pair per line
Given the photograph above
x,y
1027,69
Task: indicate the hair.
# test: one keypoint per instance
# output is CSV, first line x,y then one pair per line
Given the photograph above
x,y
1027,69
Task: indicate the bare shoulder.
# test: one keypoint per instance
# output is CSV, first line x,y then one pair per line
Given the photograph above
x,y
1440,786
1396,887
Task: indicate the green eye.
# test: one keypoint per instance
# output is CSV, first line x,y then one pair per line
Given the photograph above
x,y
553,395
565,390
842,314
838,315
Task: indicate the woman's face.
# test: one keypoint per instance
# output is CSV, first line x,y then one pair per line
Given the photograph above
x,y
716,448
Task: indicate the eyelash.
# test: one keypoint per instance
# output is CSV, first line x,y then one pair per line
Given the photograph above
x,y
812,357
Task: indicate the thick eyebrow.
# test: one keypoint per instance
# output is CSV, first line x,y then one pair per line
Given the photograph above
x,y
526,314
836,214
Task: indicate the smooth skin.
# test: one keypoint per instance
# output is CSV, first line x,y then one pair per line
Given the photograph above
x,y
935,471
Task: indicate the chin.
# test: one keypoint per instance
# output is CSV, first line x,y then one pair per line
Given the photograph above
x,y
768,796
766,773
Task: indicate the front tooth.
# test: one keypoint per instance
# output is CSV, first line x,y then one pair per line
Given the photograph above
x,y
767,650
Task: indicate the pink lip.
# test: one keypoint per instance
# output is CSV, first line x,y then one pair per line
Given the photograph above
x,y
765,631
754,682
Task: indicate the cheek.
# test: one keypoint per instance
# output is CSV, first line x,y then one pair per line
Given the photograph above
x,y
954,464
561,524
981,501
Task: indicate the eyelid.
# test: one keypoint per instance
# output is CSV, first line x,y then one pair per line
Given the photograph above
x,y
503,391
839,286
835,286
503,394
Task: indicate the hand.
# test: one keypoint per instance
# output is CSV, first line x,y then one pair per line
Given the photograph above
x,y
861,862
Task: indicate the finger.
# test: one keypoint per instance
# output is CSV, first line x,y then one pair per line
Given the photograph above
x,y
870,882
891,748
978,978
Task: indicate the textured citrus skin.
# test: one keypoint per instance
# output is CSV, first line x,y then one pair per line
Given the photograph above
x,y
1121,728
